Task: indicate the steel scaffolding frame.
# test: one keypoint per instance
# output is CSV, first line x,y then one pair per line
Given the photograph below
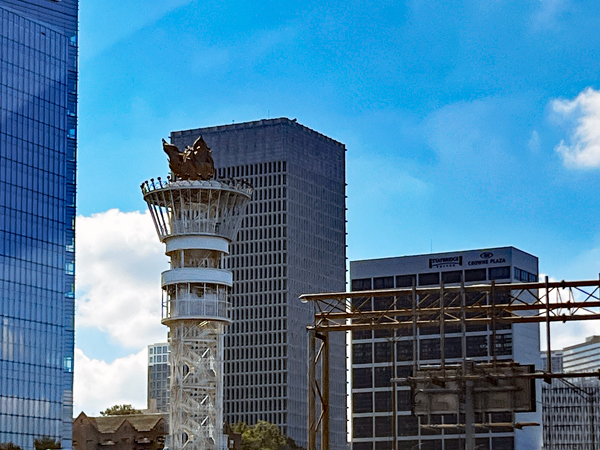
x,y
442,306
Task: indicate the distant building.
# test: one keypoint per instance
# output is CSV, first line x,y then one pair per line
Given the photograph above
x,y
38,152
292,241
557,360
126,432
372,352
571,412
158,377
584,357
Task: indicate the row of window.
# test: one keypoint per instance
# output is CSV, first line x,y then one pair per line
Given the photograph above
x,y
258,406
233,380
411,426
481,443
259,300
265,259
430,349
260,286
268,272
432,279
249,170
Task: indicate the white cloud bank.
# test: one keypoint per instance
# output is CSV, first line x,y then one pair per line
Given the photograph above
x,y
583,113
119,261
99,385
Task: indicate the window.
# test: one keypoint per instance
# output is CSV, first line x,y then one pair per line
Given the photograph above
x,y
362,427
383,352
383,375
383,283
405,281
383,426
363,284
383,401
428,279
362,353
452,347
430,349
362,402
452,277
499,273
404,350
404,400
475,275
362,378
477,346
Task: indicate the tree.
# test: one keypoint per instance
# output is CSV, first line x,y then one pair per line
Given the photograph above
x,y
263,436
46,443
9,446
120,410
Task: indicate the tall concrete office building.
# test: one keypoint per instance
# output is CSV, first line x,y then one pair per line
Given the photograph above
x,y
292,241
38,120
372,352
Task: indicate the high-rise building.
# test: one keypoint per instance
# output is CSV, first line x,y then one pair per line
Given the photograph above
x,y
38,121
158,377
373,363
292,241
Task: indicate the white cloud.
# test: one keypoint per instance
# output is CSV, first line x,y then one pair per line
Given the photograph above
x,y
99,385
534,144
582,150
119,261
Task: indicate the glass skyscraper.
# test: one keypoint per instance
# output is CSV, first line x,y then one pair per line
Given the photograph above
x,y
38,121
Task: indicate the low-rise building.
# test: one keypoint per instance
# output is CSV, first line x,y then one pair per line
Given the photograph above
x,y
126,432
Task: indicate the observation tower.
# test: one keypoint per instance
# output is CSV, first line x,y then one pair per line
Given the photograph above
x,y
196,217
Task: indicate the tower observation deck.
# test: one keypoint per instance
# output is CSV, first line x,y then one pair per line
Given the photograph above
x,y
196,217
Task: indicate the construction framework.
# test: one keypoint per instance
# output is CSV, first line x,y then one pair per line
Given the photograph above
x,y
491,304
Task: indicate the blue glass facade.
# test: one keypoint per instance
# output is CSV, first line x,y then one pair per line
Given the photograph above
x,y
38,122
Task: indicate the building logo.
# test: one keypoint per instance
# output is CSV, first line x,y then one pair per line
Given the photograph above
x,y
449,261
487,258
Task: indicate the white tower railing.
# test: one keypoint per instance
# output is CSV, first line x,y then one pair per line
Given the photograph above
x,y
196,220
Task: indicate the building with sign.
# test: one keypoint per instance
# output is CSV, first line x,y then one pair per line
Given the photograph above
x,y
292,241
378,356
38,140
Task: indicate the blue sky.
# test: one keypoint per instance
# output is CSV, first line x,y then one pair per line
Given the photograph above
x,y
468,124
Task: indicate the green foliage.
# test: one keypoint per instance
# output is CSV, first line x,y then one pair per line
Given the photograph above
x,y
263,436
9,446
46,443
120,410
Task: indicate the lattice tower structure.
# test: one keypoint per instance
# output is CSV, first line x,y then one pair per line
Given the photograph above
x,y
196,220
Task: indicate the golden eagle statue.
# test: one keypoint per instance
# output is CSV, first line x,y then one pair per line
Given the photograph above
x,y
193,163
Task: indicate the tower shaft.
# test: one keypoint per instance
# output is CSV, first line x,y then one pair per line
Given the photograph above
x,y
196,220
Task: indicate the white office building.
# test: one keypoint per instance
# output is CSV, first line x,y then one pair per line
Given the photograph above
x,y
372,355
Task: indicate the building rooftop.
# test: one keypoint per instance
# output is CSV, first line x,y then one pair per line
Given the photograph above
x,y
110,424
